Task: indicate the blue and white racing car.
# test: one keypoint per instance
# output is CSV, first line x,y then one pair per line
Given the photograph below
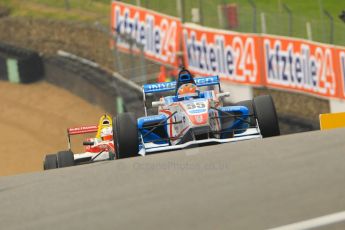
x,y
193,115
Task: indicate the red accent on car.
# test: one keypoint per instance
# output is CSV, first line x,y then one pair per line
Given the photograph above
x,y
82,130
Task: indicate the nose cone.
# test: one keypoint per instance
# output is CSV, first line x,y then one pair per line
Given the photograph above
x,y
197,111
199,119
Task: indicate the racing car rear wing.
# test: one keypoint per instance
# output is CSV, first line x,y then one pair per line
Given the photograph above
x,y
80,130
170,86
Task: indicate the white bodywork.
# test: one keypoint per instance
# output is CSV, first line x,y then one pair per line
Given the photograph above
x,y
99,151
100,157
194,113
253,133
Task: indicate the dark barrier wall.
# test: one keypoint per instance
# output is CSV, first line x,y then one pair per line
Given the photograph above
x,y
3,68
92,84
19,65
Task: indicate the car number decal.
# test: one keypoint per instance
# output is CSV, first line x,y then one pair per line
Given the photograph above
x,y
195,105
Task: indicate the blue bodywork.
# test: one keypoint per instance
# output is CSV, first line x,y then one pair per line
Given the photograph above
x,y
170,86
233,125
238,125
144,126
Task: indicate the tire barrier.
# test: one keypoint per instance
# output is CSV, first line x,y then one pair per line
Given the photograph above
x,y
19,65
3,69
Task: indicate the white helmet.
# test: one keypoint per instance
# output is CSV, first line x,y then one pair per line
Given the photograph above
x,y
107,133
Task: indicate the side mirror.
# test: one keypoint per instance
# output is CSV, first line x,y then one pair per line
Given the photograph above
x,y
157,103
222,95
88,143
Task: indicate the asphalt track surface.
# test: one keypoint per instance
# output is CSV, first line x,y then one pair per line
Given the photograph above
x,y
255,184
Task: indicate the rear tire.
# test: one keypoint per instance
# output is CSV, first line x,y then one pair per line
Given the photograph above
x,y
266,115
126,135
65,159
50,162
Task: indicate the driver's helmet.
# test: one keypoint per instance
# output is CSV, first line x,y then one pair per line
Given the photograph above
x,y
106,133
188,90
105,122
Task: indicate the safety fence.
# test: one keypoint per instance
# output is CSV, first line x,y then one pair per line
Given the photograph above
x,y
257,60
314,20
319,20
19,65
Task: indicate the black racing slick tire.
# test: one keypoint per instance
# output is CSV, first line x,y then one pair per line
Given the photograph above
x,y
126,135
266,115
50,162
65,159
249,105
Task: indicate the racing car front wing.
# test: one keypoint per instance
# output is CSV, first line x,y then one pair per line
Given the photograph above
x,y
252,133
88,157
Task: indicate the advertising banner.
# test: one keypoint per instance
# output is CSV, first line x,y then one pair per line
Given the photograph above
x,y
252,59
340,54
232,56
299,65
158,33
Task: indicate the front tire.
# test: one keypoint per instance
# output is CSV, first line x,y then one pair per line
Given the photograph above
x,y
65,159
126,135
50,162
266,115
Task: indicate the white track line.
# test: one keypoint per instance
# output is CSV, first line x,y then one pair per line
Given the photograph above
x,y
314,223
